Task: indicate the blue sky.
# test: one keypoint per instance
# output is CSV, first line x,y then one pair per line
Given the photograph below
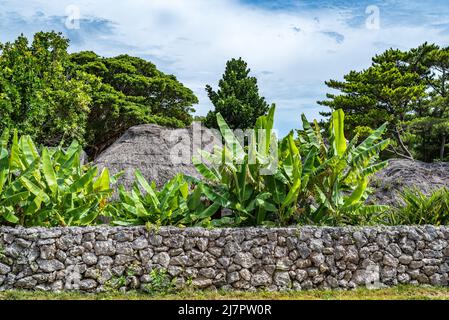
x,y
291,46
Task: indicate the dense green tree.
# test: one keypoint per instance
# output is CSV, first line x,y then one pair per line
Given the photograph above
x,y
387,91
430,122
237,98
37,97
131,91
54,96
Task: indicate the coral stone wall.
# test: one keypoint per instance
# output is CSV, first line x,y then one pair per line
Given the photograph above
x,y
89,259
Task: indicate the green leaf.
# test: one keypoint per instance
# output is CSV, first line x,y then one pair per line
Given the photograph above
x,y
230,139
34,189
82,183
103,181
209,174
148,189
49,173
338,130
4,167
29,151
8,215
194,199
14,159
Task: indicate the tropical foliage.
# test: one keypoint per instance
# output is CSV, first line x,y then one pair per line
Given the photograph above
x,y
51,187
334,176
419,208
54,96
265,182
337,174
175,204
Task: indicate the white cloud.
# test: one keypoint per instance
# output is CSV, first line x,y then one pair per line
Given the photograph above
x,y
292,52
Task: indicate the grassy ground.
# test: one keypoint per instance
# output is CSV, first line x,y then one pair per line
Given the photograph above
x,y
397,293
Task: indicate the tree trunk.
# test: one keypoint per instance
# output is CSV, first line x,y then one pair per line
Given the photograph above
x,y
402,145
443,144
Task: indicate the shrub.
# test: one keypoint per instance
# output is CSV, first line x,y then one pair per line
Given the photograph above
x,y
336,174
175,204
51,188
160,282
327,185
419,208
236,179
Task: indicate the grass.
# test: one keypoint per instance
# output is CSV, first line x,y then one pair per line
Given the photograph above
x,y
396,293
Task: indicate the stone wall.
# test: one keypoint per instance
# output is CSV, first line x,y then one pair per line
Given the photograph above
x,y
90,259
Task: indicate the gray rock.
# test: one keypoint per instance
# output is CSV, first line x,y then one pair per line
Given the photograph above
x,y
233,277
104,248
140,243
146,255
404,259
50,265
162,258
316,245
173,271
104,262
123,259
301,275
261,278
89,258
245,274
208,273
303,250
175,241
181,260
231,248
124,236
416,264
202,243
201,283
390,260
394,250
155,240
359,238
244,259
317,259
87,284
26,283
4,269
282,279
224,261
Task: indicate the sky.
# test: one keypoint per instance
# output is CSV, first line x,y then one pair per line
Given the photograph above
x,y
291,46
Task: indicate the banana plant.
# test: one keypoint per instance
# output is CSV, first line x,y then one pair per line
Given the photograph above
x,y
51,187
248,180
338,172
174,204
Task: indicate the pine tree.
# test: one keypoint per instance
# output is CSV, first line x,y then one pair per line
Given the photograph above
x,y
237,98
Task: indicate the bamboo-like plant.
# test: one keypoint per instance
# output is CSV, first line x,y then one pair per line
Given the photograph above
x,y
50,188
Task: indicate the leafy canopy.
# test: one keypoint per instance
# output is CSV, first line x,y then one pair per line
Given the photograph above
x,y
54,96
409,89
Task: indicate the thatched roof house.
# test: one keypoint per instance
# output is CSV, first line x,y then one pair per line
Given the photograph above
x,y
158,152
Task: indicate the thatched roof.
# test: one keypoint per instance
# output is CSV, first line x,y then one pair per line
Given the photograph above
x,y
156,151
402,173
